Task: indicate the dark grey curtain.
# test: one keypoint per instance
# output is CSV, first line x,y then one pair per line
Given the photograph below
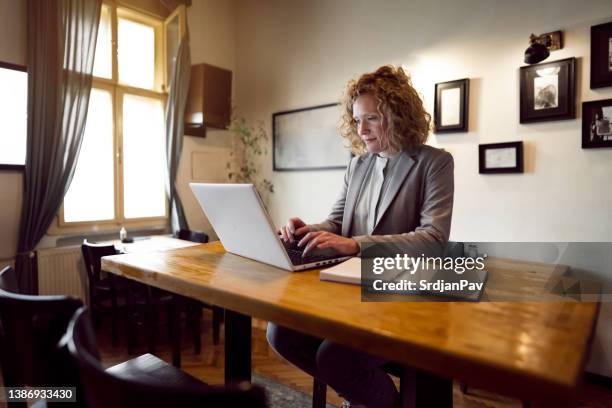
x,y
175,112
61,44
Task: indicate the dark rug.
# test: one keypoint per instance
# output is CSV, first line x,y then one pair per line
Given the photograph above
x,y
281,396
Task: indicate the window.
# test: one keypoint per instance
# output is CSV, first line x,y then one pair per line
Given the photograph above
x,y
13,116
120,174
91,195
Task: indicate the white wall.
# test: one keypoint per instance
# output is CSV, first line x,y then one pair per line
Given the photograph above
x,y
293,54
13,31
213,41
13,50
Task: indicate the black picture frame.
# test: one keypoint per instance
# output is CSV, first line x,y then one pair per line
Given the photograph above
x,y
22,68
308,139
548,91
601,55
597,124
459,120
505,161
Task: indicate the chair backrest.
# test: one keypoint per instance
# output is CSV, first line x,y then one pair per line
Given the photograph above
x,y
454,249
8,280
92,254
30,328
192,236
103,389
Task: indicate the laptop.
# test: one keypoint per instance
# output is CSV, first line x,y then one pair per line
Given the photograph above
x,y
238,216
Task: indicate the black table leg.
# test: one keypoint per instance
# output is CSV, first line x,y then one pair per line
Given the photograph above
x,y
319,393
419,389
237,347
175,322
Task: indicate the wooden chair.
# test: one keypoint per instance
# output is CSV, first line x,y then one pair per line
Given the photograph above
x,y
143,304
192,307
162,386
103,287
141,301
30,328
193,236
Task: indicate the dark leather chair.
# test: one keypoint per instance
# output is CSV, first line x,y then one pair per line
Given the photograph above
x,y
8,280
163,386
30,328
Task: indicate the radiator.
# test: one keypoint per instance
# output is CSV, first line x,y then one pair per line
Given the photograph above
x,y
61,271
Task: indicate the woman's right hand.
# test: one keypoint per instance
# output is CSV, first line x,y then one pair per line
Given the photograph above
x,y
294,227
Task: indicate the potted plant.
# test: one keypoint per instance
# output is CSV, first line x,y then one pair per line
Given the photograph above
x,y
248,143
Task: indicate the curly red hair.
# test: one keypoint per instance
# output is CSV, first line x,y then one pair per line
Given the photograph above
x,y
407,122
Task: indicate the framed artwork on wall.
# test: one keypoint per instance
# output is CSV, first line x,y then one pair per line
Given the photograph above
x,y
309,139
451,106
495,158
547,91
597,124
601,55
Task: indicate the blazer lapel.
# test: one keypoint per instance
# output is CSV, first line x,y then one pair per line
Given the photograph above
x,y
354,187
404,165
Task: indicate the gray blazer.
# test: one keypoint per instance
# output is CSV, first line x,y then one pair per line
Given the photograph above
x,y
415,211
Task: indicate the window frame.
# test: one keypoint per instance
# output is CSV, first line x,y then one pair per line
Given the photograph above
x,y
118,90
21,68
181,14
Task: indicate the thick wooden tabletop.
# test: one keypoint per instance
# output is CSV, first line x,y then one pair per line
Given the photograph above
x,y
529,350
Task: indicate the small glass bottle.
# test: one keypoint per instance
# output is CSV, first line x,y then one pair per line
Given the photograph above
x,y
122,234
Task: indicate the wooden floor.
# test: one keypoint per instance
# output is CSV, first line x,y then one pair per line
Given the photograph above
x,y
208,366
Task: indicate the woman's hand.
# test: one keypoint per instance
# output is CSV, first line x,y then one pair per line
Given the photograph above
x,y
295,226
325,239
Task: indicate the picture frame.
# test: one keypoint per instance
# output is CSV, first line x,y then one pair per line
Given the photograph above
x,y
597,124
451,106
547,91
496,158
601,55
309,139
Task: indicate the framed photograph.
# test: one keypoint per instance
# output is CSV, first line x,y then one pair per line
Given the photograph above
x,y
495,158
601,55
548,91
596,124
451,106
309,139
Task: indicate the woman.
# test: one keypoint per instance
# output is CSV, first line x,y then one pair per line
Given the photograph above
x,y
399,192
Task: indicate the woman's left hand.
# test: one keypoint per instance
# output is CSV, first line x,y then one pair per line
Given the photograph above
x,y
325,239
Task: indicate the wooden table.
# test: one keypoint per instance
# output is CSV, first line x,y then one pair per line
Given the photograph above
x,y
153,243
534,351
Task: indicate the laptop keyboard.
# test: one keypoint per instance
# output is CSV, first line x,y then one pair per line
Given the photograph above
x,y
295,255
